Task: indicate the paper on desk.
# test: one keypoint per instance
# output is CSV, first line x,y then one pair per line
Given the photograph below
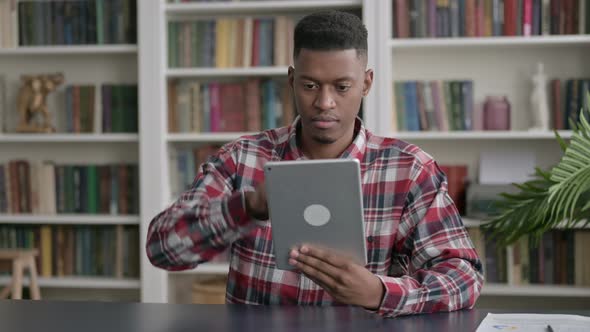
x,y
534,323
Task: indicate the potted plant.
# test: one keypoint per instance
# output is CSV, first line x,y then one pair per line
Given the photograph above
x,y
559,196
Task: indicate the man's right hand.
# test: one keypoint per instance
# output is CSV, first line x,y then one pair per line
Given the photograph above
x,y
256,206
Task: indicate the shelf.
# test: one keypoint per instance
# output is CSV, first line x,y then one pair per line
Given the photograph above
x,y
425,135
69,138
69,219
480,135
204,138
71,49
207,268
227,72
536,290
80,282
409,43
257,7
468,222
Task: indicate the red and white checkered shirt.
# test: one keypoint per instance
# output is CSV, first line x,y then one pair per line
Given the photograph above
x,y
416,241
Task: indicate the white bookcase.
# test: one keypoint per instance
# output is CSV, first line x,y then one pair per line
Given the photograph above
x,y
497,66
512,60
69,50
157,144
87,64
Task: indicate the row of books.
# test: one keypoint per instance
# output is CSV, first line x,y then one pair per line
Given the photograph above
x,y
45,188
117,108
107,251
567,100
8,24
250,105
457,184
36,23
433,105
108,108
231,42
4,126
184,166
561,258
485,18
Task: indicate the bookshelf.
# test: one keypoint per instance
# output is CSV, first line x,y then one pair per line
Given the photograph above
x,y
72,49
535,291
209,268
69,138
92,64
255,7
82,283
501,65
520,41
227,72
163,143
69,219
512,59
204,137
526,290
481,135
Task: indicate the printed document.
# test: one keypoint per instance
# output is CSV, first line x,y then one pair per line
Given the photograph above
x,y
534,323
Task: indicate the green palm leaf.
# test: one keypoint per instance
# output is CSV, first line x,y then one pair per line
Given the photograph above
x,y
572,176
561,194
523,212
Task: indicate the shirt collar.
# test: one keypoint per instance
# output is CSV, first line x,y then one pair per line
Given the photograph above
x,y
355,150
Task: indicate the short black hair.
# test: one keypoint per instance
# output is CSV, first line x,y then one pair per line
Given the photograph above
x,y
330,30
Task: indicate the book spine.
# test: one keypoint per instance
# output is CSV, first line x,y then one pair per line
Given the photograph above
x,y
527,20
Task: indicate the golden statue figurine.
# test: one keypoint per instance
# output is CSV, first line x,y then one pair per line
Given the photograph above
x,y
32,101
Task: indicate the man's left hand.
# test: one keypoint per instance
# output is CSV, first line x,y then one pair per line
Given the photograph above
x,y
345,280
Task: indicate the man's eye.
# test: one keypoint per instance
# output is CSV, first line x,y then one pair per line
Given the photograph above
x,y
309,86
343,88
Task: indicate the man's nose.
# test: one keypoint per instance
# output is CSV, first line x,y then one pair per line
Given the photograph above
x,y
324,100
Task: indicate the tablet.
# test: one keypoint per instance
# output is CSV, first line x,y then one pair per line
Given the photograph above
x,y
317,202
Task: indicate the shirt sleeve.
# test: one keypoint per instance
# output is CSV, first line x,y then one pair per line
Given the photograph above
x,y
444,272
203,221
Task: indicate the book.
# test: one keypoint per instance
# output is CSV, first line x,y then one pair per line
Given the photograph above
x,y
3,105
457,185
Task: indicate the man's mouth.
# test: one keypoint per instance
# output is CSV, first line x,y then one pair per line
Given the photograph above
x,y
324,122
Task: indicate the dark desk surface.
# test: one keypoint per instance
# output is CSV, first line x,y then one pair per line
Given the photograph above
x,y
50,316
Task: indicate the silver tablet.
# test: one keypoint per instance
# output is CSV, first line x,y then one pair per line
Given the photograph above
x,y
316,202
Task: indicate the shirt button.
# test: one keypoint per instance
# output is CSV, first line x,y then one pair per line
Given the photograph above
x,y
370,239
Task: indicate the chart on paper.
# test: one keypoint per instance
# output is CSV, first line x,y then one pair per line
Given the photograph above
x,y
534,323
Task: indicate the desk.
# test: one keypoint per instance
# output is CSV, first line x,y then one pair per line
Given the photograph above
x,y
53,316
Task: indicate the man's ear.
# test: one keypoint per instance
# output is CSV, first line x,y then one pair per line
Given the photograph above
x,y
291,75
368,82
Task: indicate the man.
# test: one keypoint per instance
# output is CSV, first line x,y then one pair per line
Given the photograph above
x,y
420,256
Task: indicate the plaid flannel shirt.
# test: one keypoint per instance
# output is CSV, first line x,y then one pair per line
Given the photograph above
x,y
416,241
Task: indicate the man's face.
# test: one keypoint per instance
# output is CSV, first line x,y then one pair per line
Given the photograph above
x,y
328,87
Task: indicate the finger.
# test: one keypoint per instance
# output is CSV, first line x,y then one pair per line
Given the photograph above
x,y
320,283
325,255
326,268
318,276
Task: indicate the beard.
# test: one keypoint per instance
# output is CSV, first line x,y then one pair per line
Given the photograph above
x,y
323,139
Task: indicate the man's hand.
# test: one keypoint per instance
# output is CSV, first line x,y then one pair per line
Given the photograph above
x,y
256,205
345,280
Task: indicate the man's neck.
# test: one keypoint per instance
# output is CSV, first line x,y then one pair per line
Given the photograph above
x,y
317,150
322,151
